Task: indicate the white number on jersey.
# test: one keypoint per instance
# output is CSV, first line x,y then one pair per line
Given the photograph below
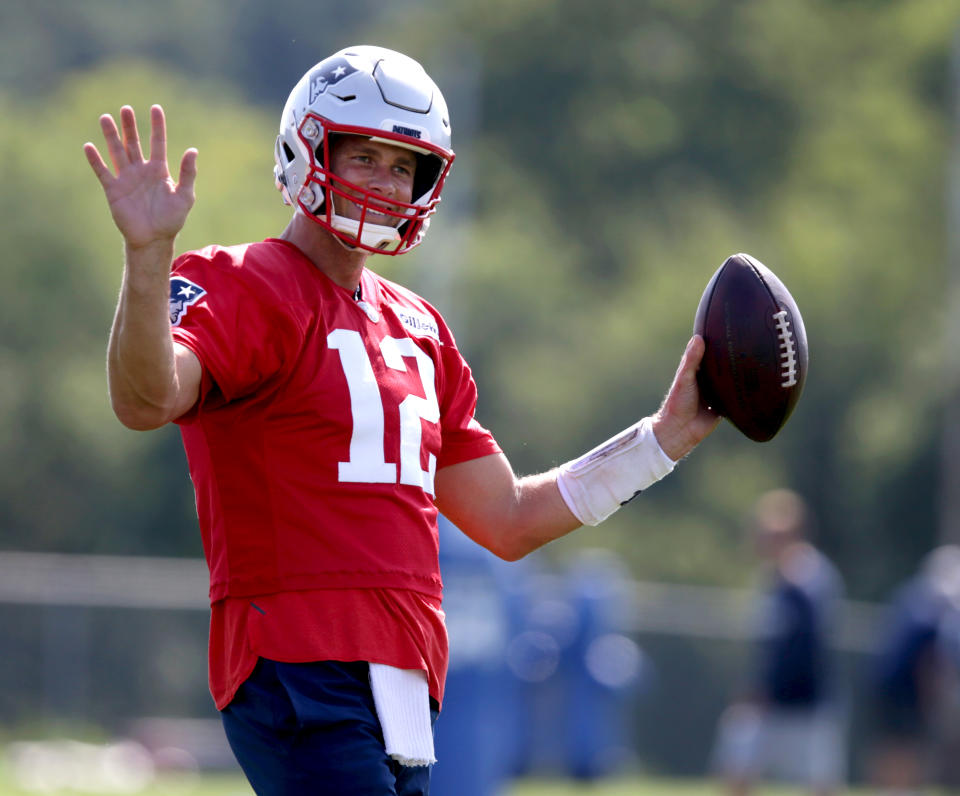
x,y
368,462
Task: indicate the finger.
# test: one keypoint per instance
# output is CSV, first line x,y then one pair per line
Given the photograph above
x,y
97,163
131,136
684,393
697,347
188,172
687,367
111,135
696,350
158,135
693,355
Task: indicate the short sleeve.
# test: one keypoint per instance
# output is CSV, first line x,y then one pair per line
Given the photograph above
x,y
235,332
463,438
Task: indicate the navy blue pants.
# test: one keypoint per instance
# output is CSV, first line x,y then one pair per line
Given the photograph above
x,y
312,728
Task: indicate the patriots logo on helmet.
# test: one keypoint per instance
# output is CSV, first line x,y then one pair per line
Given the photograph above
x,y
183,293
330,72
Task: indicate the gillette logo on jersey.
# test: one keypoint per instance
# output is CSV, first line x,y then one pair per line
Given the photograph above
x,y
331,72
183,293
418,323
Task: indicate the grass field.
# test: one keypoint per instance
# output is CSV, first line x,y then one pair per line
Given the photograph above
x,y
234,786
636,787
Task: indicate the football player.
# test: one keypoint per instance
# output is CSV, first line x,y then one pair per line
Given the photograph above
x,y
789,724
327,417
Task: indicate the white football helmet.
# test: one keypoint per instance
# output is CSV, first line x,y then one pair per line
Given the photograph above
x,y
382,95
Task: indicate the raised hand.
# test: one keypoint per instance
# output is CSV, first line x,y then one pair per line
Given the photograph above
x,y
148,207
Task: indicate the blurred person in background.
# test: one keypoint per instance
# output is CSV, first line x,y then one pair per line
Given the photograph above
x,y
914,679
327,417
790,723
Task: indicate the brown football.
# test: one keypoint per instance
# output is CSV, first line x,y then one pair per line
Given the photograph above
x,y
755,362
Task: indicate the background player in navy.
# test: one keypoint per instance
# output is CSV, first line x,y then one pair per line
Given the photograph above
x,y
915,677
789,724
327,416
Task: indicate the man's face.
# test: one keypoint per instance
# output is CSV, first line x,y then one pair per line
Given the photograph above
x,y
382,169
771,540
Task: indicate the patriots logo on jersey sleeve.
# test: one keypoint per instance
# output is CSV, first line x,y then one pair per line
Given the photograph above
x,y
183,293
330,72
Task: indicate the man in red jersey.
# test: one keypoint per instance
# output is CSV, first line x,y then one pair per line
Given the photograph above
x,y
327,417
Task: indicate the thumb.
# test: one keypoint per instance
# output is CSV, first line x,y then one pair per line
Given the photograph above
x,y
188,172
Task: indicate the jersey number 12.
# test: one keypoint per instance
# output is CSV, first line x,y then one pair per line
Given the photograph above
x,y
368,462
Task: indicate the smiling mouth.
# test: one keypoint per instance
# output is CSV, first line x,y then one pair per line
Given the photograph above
x,y
387,214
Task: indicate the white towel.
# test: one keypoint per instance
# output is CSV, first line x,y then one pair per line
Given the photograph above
x,y
402,700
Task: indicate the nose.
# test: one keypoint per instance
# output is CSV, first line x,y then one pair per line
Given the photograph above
x,y
381,180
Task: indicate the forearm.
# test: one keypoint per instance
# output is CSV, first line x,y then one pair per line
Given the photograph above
x,y
512,517
539,516
586,490
507,515
141,367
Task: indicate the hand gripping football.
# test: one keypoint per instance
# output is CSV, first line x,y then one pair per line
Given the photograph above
x,y
755,361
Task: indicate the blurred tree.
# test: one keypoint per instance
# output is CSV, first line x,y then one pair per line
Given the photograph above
x,y
75,479
616,154
256,46
624,152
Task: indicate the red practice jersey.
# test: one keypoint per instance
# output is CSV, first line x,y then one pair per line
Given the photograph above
x,y
313,447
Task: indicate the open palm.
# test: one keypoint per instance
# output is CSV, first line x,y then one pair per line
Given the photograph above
x,y
146,204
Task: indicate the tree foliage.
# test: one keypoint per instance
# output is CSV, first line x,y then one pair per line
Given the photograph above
x,y
610,156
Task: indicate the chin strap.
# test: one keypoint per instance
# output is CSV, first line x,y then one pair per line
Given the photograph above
x,y
602,480
376,236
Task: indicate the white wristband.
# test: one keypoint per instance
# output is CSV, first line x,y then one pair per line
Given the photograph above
x,y
602,480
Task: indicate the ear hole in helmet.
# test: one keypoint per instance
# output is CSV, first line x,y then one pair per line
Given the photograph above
x,y
288,152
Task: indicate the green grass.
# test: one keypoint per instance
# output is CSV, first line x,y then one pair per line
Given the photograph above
x,y
225,785
208,785
640,787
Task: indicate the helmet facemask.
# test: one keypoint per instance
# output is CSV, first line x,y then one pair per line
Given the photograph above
x,y
410,218
305,145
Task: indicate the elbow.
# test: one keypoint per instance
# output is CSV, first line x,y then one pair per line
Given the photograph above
x,y
140,418
507,554
512,547
503,544
141,424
